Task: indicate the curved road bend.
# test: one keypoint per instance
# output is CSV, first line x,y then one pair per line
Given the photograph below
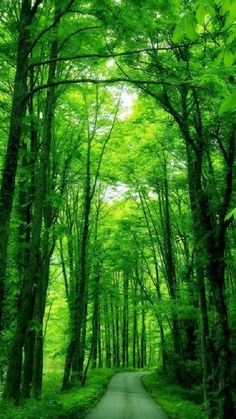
x,y
126,398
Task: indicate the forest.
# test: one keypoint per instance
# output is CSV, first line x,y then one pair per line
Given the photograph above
x,y
117,204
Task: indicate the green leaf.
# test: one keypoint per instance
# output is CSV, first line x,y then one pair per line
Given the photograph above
x,y
200,13
229,103
211,10
205,8
231,214
220,56
178,34
190,22
185,28
228,58
191,32
230,39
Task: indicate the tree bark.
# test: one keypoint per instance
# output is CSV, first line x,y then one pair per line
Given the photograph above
x,y
79,302
125,331
18,112
26,306
95,324
210,241
143,348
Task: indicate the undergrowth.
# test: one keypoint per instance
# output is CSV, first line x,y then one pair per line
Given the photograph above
x,y
74,403
178,402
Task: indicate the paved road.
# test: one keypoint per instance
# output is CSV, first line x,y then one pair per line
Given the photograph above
x,y
126,398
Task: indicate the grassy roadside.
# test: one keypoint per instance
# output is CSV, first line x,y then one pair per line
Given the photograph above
x,y
176,401
74,403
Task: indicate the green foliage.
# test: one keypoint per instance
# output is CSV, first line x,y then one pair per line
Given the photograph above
x,y
185,28
205,8
231,214
229,103
174,399
133,197
74,403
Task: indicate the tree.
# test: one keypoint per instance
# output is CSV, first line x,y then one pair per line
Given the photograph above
x,y
117,201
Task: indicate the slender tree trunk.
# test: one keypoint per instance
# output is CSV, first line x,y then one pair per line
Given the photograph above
x,y
117,318
18,112
23,262
138,350
135,333
143,348
26,202
169,262
82,345
125,331
204,334
26,307
96,312
80,291
99,343
157,279
107,334
114,347
68,363
40,305
28,364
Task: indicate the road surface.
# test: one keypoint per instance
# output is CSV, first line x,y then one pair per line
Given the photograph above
x,y
126,398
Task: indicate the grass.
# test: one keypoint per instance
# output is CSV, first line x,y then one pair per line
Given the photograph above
x,y
75,403
178,402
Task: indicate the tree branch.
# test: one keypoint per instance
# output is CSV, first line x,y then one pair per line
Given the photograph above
x,y
95,81
104,147
221,147
58,18
69,37
104,55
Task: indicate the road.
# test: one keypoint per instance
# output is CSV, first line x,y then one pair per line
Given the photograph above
x,y
126,398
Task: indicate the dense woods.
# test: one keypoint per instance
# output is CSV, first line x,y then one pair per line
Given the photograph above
x,y
117,199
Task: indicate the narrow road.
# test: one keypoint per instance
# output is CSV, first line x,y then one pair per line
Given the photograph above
x,y
126,398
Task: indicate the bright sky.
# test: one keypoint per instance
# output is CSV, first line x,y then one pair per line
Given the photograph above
x,y
127,101
115,192
127,98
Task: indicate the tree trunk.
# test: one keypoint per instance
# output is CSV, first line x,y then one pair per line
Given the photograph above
x,y
114,347
96,315
135,334
82,345
117,320
40,303
26,307
125,331
107,334
18,112
143,349
80,302
210,245
28,364
223,356
168,255
25,203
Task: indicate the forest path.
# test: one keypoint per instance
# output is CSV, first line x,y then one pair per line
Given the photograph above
x,y
126,398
